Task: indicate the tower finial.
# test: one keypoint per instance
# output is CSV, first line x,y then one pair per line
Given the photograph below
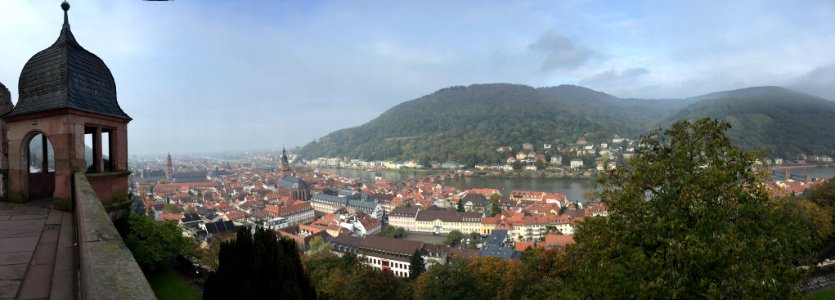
x,y
65,6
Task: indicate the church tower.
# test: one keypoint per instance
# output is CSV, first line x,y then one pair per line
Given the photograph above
x,y
67,96
289,183
169,168
285,164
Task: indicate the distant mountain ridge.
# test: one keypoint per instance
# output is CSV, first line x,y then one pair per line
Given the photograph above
x,y
778,121
467,124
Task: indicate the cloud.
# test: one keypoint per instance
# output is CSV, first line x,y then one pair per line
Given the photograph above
x,y
258,74
614,77
561,53
819,82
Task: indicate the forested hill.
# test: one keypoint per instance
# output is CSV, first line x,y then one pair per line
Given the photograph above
x,y
467,124
778,121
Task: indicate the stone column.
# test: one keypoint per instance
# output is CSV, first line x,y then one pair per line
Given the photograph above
x,y
45,153
113,149
98,165
120,147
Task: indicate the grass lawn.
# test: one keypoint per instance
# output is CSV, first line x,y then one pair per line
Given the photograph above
x,y
825,293
168,284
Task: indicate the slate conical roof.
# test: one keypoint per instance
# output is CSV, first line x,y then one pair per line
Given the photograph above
x,y
65,75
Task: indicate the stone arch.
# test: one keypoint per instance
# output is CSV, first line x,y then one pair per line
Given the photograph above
x,y
39,161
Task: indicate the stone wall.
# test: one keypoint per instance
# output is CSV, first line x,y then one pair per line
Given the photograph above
x,y
111,189
107,269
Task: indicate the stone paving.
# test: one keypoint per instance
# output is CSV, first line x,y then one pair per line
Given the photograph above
x,y
819,282
36,252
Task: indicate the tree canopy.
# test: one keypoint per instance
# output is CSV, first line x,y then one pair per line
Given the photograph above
x,y
818,203
392,232
259,266
689,217
417,265
154,244
346,278
454,238
495,209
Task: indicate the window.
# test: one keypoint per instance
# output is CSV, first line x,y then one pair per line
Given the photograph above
x,y
105,150
88,148
98,149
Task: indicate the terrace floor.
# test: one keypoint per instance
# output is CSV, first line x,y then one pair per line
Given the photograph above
x,y
36,251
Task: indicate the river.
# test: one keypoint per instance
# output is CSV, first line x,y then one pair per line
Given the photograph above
x,y
390,175
574,188
816,172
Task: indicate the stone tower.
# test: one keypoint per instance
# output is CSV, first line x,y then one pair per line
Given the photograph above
x,y
5,107
67,95
285,164
169,168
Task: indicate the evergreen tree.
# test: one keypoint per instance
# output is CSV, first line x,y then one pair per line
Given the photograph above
x,y
460,207
417,265
259,267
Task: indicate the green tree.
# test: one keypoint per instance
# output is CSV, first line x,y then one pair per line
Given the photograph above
x,y
154,244
318,245
416,265
453,238
350,260
688,218
369,283
451,281
816,219
259,266
823,195
487,272
346,278
326,272
460,206
392,232
475,239
495,209
171,208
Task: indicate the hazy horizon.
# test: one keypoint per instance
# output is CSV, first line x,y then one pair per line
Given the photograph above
x,y
212,76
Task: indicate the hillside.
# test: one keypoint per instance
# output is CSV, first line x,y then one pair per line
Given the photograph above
x,y
778,121
468,123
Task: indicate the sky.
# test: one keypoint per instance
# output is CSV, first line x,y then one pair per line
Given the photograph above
x,y
211,76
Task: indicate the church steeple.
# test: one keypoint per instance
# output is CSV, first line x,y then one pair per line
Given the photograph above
x,y
285,164
169,168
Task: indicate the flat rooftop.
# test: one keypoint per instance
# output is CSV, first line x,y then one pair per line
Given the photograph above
x,y
37,259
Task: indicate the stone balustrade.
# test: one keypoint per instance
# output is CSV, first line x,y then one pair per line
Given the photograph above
x,y
107,269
